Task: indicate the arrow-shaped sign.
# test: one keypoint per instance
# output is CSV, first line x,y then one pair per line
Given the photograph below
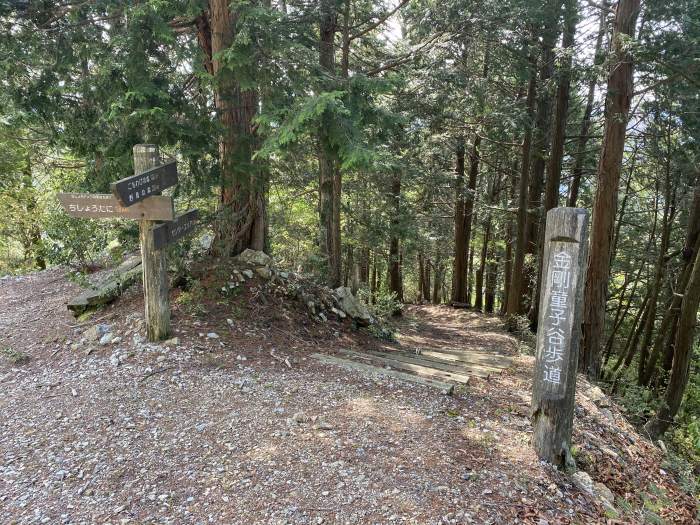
x,y
135,188
105,206
169,232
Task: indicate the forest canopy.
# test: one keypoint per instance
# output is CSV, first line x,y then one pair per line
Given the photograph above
x,y
409,149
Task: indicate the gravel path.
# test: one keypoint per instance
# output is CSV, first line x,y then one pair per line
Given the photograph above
x,y
217,431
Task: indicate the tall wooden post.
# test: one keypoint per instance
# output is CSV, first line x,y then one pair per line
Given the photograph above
x,y
155,271
559,333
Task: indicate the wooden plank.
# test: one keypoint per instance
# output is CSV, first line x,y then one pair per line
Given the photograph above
x,y
453,366
155,267
476,358
106,206
169,232
416,369
445,388
136,188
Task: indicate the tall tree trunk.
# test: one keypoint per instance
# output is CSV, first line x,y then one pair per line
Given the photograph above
x,y
479,281
469,213
508,263
665,336
515,290
328,164
426,280
551,192
395,284
437,277
241,220
459,268
685,336
646,369
584,135
373,279
421,278
620,89
541,137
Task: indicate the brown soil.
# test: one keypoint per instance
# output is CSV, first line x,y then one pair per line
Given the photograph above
x,y
246,428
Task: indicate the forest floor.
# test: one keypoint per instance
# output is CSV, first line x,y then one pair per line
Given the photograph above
x,y
235,423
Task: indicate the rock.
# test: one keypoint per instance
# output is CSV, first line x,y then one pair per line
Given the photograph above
x,y
324,425
106,339
299,417
115,359
247,273
322,317
95,333
352,306
264,272
173,341
206,241
662,446
213,335
254,258
607,414
284,275
604,492
597,396
583,482
229,322
116,340
339,313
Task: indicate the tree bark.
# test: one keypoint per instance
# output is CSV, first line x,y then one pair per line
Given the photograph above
x,y
584,134
620,89
551,192
241,219
329,172
515,295
459,267
395,284
685,336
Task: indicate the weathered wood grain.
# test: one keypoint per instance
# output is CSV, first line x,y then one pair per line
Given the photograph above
x,y
106,206
559,333
444,387
155,272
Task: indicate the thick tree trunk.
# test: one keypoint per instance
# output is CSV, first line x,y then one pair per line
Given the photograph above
x,y
515,290
459,267
241,218
620,84
685,336
426,280
491,278
329,170
479,281
584,135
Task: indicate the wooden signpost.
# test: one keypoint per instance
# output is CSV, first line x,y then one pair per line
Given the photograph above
x,y
106,206
138,197
559,333
140,186
169,232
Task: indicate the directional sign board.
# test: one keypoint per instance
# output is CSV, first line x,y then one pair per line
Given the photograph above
x,y
105,206
136,188
169,232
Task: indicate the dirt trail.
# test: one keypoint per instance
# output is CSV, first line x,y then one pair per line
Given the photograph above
x,y
221,430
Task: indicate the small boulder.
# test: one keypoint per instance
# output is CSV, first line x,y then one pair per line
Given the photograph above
x,y
174,341
582,480
254,258
213,335
106,339
352,306
95,333
247,274
264,272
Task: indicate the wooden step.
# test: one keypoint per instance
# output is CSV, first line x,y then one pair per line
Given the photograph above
x,y
455,366
468,356
445,388
422,370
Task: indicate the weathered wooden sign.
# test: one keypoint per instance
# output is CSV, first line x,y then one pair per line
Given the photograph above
x,y
559,332
104,206
136,188
169,232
